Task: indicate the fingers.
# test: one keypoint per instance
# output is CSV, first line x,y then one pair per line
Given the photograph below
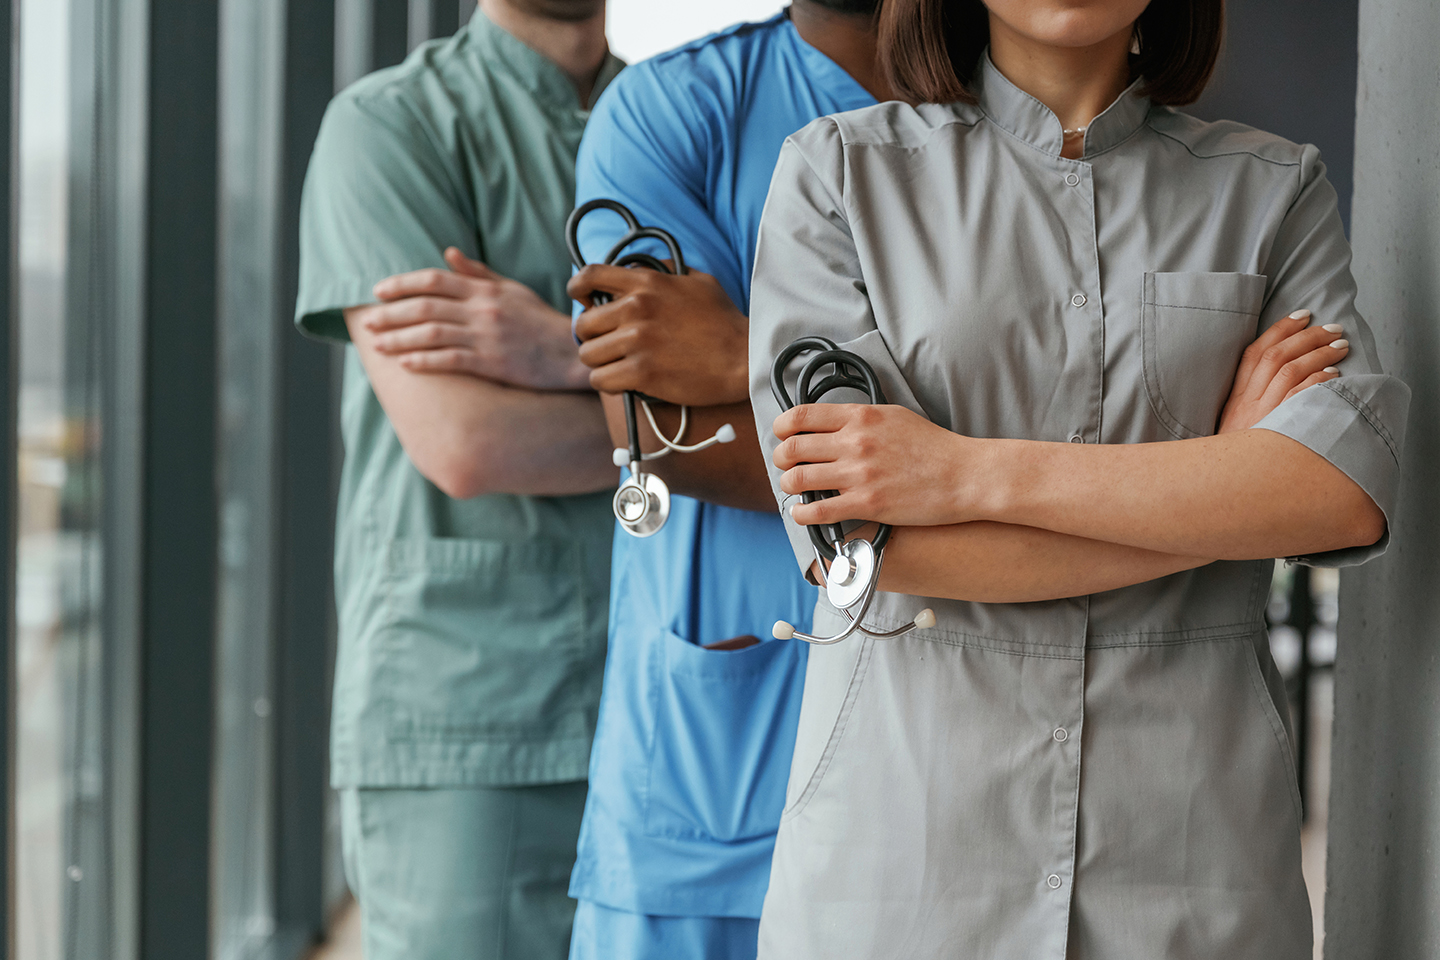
x,y
422,336
1329,373
1278,331
829,510
470,268
815,418
430,282
598,321
600,277
1300,368
413,310
807,448
451,360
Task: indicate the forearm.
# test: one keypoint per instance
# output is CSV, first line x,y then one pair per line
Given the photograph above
x,y
730,474
1245,495
470,436
991,562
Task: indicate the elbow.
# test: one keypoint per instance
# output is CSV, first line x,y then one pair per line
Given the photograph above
x,y
1367,523
459,469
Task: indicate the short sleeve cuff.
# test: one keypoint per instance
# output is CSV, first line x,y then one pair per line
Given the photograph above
x,y
1356,423
321,314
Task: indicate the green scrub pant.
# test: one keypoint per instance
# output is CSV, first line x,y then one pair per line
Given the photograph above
x,y
466,873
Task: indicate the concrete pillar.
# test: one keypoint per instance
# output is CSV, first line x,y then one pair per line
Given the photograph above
x,y
1383,869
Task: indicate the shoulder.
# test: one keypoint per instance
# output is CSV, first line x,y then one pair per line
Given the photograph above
x,y
892,129
707,74
1228,140
413,99
887,125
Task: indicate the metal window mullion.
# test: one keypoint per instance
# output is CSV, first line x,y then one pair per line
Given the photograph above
x,y
178,511
308,420
9,375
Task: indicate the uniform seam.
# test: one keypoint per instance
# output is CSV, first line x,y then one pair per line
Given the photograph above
x,y
837,733
1187,306
1149,122
1364,410
1268,710
1153,396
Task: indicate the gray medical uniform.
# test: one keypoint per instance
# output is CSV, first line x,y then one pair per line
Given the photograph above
x,y
1108,776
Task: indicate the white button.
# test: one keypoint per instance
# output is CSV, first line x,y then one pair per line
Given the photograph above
x,y
1053,881
1077,439
1061,734
1071,179
1078,300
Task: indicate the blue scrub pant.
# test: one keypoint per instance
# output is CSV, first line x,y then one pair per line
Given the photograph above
x,y
465,873
605,934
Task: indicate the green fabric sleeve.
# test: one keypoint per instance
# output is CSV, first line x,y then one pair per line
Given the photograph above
x,y
379,199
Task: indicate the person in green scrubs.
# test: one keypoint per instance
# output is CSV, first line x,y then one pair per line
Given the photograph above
x,y
473,538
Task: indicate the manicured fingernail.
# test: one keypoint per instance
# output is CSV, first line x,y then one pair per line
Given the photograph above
x,y
1332,328
1300,315
1341,344
1332,369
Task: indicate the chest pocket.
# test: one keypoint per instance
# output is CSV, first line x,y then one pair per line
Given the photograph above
x,y
1193,328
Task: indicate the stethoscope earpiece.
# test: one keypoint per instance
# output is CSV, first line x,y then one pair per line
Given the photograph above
x,y
642,504
851,568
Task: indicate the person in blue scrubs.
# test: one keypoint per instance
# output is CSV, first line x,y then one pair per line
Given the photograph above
x,y
692,751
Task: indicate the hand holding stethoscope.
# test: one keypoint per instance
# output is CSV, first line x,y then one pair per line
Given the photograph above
x,y
851,568
642,503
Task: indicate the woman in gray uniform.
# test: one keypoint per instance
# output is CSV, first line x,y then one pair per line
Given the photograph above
x,y
1054,273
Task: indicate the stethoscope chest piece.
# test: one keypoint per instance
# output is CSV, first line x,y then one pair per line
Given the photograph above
x,y
642,504
851,573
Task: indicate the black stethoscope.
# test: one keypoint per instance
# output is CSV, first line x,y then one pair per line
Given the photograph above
x,y
851,568
642,504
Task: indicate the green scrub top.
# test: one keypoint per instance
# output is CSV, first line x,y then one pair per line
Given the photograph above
x,y
471,632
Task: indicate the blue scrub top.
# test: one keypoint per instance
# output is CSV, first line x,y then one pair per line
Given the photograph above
x,y
692,753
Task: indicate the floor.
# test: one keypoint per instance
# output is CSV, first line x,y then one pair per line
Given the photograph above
x,y
344,943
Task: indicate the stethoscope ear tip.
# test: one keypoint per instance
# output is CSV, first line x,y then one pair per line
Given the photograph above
x,y
785,631
925,619
726,433
621,457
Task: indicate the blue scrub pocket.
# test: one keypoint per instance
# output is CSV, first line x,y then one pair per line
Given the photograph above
x,y
725,726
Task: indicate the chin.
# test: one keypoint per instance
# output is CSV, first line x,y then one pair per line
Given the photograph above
x,y
569,11
1067,23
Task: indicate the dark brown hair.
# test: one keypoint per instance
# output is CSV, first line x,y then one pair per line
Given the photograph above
x,y
929,48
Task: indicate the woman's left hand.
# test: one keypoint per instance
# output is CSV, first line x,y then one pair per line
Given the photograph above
x,y
890,465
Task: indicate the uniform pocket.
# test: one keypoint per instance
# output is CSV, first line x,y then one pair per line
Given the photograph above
x,y
1193,328
484,639
724,732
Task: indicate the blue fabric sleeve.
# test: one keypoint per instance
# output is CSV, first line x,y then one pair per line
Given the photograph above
x,y
648,145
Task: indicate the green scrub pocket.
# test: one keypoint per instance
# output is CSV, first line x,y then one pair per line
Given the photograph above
x,y
482,639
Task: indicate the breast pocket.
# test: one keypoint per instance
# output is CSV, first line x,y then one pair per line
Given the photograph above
x,y
1193,328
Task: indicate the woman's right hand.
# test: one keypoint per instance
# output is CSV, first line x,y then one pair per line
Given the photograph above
x,y
1284,360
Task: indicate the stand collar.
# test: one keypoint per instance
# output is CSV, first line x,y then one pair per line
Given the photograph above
x,y
1011,108
536,72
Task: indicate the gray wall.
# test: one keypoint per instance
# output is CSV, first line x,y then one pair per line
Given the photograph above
x,y
1289,68
1384,859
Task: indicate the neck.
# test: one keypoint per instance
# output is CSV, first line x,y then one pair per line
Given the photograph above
x,y
1076,83
847,38
577,47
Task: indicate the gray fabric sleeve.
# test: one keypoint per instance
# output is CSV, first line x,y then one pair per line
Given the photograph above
x,y
808,282
1357,422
